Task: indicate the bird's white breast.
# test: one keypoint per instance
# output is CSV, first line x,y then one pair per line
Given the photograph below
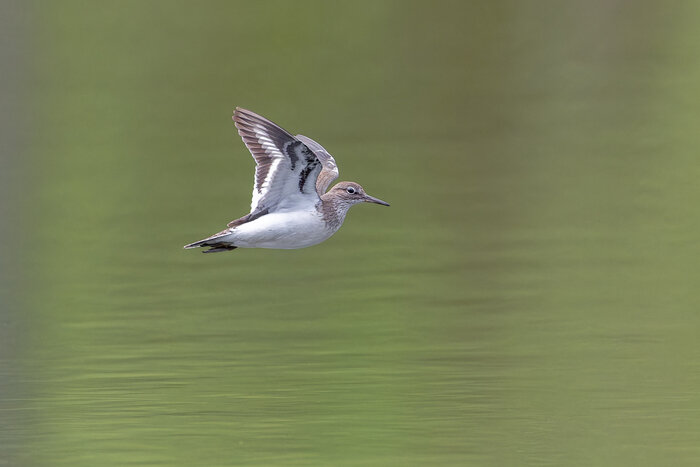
x,y
285,230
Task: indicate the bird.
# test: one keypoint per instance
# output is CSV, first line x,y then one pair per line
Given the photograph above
x,y
290,208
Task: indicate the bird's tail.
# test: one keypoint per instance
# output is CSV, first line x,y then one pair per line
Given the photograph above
x,y
214,243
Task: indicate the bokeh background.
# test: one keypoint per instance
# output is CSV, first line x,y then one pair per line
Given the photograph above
x,y
530,298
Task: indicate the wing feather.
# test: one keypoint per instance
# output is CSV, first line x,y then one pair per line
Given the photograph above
x,y
286,169
329,169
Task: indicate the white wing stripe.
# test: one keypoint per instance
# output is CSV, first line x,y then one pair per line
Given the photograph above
x,y
264,186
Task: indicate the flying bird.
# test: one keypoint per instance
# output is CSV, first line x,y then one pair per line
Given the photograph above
x,y
290,208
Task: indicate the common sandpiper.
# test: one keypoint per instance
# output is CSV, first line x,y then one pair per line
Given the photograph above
x,y
290,208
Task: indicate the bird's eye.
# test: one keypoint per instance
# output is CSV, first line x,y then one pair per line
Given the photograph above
x,y
350,190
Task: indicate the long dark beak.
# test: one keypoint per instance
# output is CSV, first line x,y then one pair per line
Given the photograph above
x,y
372,199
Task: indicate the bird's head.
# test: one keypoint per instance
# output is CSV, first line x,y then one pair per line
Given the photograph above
x,y
350,193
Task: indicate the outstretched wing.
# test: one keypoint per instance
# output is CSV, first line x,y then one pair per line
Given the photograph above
x,y
286,168
329,169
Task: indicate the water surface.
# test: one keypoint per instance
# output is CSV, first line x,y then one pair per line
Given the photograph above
x,y
529,298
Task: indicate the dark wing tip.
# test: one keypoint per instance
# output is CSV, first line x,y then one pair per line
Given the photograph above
x,y
240,113
246,121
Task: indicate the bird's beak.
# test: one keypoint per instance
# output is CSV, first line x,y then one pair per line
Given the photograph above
x,y
372,199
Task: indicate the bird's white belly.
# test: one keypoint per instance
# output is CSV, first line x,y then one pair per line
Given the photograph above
x,y
285,230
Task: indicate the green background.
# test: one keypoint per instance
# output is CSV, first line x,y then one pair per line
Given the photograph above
x,y
530,297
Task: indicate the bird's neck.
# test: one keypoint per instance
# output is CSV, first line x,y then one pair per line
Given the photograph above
x,y
333,211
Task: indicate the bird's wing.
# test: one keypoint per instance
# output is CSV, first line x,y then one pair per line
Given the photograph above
x,y
329,169
286,168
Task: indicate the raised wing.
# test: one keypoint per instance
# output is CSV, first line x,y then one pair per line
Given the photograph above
x,y
329,170
286,170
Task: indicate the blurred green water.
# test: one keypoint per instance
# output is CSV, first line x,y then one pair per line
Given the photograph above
x,y
530,298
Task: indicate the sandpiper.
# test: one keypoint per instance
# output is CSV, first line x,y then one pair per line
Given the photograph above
x,y
290,207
